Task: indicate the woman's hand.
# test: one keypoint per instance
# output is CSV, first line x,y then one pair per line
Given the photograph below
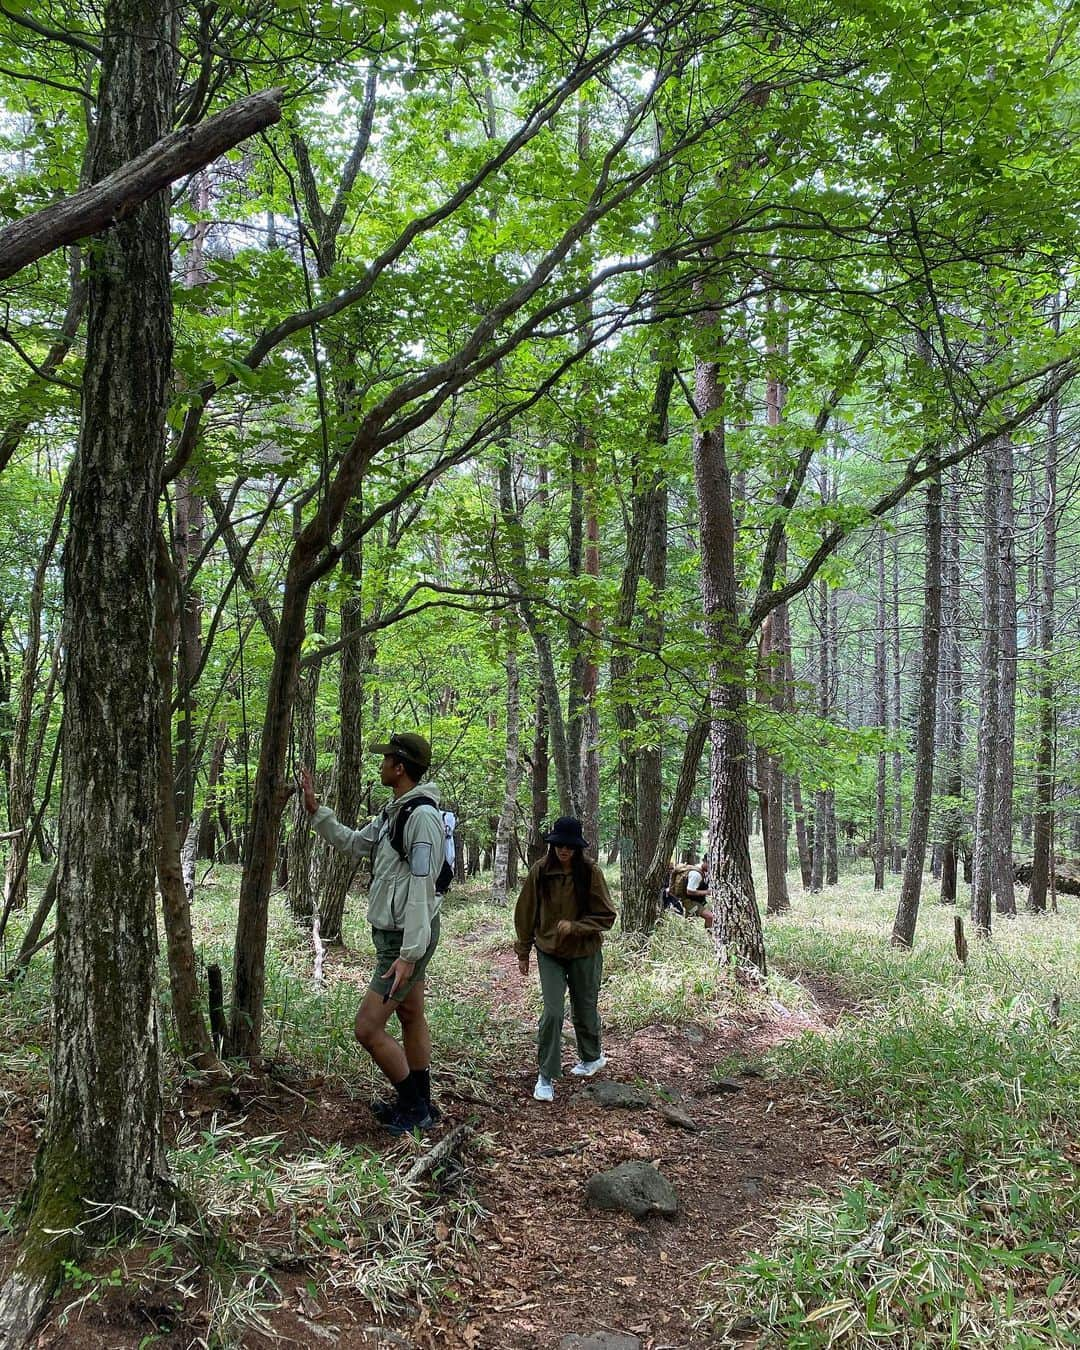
x,y
523,964
565,928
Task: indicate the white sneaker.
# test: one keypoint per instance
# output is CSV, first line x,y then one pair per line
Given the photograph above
x,y
585,1068
544,1091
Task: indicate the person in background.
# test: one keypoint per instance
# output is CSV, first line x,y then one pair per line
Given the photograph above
x,y
697,893
405,843
563,911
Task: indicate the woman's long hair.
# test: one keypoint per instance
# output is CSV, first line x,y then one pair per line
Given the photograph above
x,y
580,870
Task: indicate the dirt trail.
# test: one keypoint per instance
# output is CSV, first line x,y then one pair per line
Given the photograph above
x,y
545,1265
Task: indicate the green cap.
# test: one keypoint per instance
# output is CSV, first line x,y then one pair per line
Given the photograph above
x,y
407,745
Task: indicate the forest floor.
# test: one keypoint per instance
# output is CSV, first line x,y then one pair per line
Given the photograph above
x,y
539,1265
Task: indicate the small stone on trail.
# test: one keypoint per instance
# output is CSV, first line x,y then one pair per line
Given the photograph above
x,y
724,1085
601,1340
386,1339
634,1187
607,1093
674,1116
693,1034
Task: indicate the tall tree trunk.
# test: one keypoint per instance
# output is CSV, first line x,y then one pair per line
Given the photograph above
x,y
954,679
191,1028
897,862
832,640
801,842
301,863
1002,834
881,710
187,545
207,844
357,660
640,781
773,821
506,831
1042,859
103,1140
539,780
907,912
737,922
24,764
986,778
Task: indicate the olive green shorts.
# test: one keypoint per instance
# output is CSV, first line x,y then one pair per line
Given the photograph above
x,y
694,909
387,950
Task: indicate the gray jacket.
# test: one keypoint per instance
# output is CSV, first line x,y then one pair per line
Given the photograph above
x,y
402,896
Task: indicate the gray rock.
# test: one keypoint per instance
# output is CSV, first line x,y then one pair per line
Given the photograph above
x,y
386,1339
609,1094
674,1116
601,1340
637,1188
694,1034
724,1085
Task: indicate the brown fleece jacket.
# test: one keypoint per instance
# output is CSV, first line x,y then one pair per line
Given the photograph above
x,y
586,928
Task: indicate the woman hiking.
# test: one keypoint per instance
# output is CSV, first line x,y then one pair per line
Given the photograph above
x,y
563,911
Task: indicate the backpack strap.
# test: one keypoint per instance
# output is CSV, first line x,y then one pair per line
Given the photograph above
x,y
401,819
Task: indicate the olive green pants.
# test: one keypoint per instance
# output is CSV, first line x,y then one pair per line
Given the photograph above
x,y
581,976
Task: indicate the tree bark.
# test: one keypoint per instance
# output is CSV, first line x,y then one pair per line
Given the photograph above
x,y
986,779
1042,860
1002,865
505,833
954,678
737,921
103,1139
897,862
23,765
773,819
191,1027
881,710
907,912
640,782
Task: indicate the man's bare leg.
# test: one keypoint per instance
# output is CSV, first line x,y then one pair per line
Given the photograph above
x,y
415,1033
371,1019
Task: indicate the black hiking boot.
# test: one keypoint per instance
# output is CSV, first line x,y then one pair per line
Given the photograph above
x,y
384,1109
406,1119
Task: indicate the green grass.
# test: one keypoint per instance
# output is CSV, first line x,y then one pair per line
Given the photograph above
x,y
969,1233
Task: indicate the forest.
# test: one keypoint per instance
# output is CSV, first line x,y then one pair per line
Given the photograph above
x,y
670,413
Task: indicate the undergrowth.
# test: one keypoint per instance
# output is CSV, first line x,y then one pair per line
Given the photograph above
x,y
969,1231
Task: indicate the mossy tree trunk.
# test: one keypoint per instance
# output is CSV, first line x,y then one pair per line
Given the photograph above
x,y
103,1135
737,918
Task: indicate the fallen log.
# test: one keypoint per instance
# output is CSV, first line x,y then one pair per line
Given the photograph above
x,y
1066,876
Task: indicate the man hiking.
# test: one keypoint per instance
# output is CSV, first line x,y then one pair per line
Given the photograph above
x,y
405,843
